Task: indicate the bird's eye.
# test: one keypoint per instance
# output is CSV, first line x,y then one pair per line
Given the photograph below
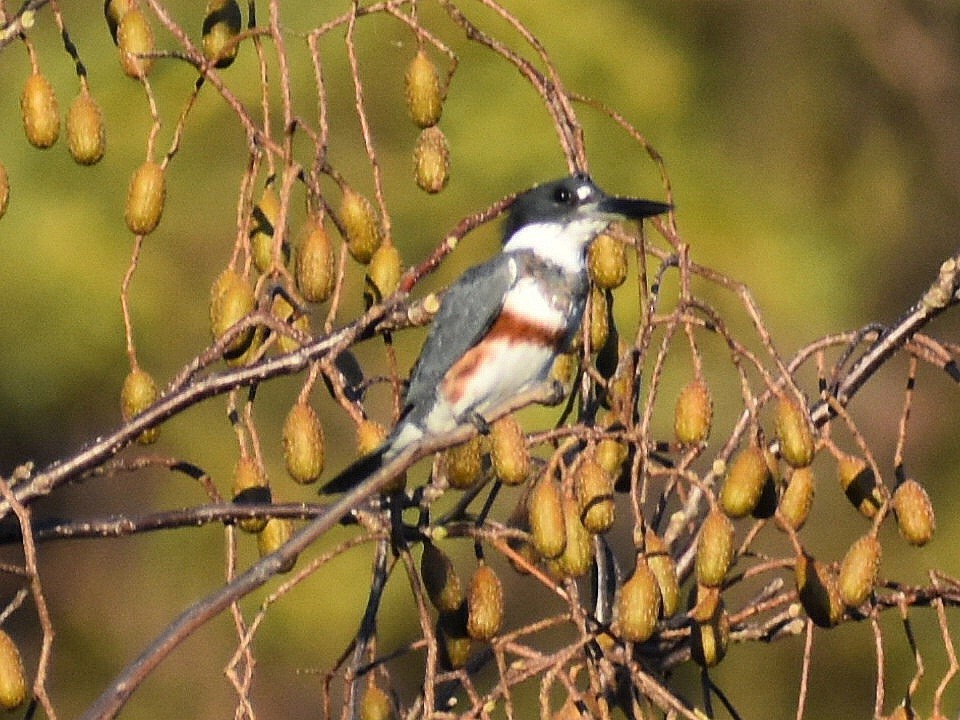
x,y
562,196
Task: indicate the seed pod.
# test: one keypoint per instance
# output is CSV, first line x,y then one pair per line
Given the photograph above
x,y
858,571
709,639
422,84
746,477
274,534
795,433
361,225
638,605
431,160
594,488
714,548
462,463
303,444
262,222
284,311
607,262
665,570
484,604
315,271
440,579
508,451
859,484
798,497
4,190
453,638
370,436
231,299
13,683
250,485
563,367
376,704
818,591
611,455
40,111
577,553
599,321
383,274
85,135
135,38
221,24
914,511
693,413
545,507
139,392
113,11
145,198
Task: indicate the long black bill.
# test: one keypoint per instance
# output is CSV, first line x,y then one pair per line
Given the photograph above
x,y
632,207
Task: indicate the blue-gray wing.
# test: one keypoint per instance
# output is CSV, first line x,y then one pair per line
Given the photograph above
x,y
467,311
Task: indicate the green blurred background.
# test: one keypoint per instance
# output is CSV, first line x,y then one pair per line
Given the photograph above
x,y
814,154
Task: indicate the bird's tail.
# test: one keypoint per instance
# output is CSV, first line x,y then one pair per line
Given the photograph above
x,y
356,472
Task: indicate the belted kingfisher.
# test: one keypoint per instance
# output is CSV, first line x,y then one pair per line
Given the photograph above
x,y
503,323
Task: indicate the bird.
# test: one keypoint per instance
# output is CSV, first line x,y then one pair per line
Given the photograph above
x,y
501,325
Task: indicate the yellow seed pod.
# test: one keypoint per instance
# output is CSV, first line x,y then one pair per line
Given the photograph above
x,y
440,579
611,455
250,485
818,591
85,134
315,269
284,311
665,570
113,11
231,299
594,488
714,548
599,321
145,198
607,262
13,682
798,497
577,553
795,433
746,477
274,534
709,639
4,190
40,111
484,604
422,84
858,571
453,638
303,444
135,38
383,274
693,413
361,225
914,511
376,704
431,160
138,393
545,508
221,24
508,451
859,484
563,368
463,463
638,605
262,223
370,436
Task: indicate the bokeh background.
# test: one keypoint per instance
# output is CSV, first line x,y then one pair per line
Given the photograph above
x,y
814,154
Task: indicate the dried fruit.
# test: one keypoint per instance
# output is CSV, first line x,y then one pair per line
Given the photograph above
x,y
422,85
274,534
818,591
383,274
376,704
431,160
370,436
577,553
599,324
607,262
798,497
453,637
135,38
221,24
315,271
611,455
462,463
508,451
113,11
361,225
40,111
594,488
858,571
693,413
250,486
145,198
795,433
859,484
303,444
85,135
262,222
284,311
638,605
139,392
914,511
545,506
231,299
4,190
710,638
13,683
746,478
714,548
440,579
665,570
484,604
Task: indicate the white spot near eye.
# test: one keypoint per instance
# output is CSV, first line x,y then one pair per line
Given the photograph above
x,y
583,192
